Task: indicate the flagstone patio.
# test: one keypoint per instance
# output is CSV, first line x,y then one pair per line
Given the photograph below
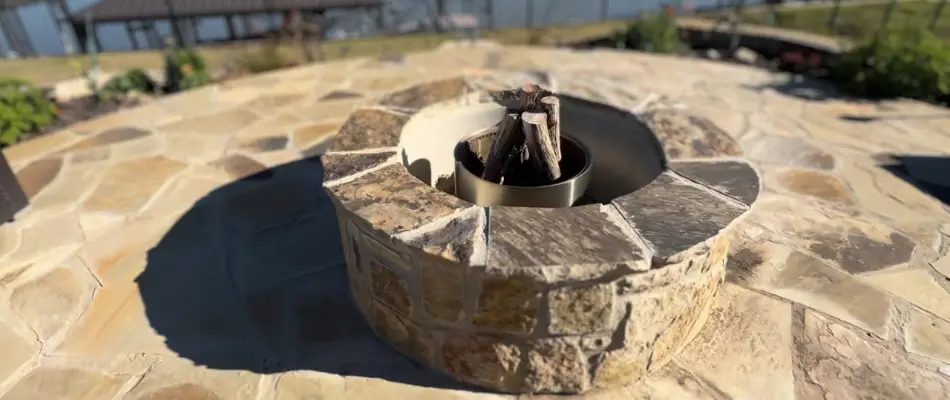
x,y
186,249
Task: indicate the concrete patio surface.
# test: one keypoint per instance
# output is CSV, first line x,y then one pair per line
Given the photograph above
x,y
185,249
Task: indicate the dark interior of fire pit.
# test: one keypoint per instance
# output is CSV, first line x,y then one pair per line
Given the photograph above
x,y
624,154
473,152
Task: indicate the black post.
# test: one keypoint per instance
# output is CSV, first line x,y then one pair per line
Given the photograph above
x,y
440,7
28,48
132,38
529,10
380,19
151,35
12,197
490,13
82,37
194,30
173,20
63,24
246,21
604,5
95,37
5,30
231,33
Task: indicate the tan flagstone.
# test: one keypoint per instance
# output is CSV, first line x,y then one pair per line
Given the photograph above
x,y
916,285
837,362
115,323
308,135
49,300
35,176
764,264
64,193
45,144
192,148
120,255
280,124
45,236
153,145
928,336
752,334
181,195
94,224
175,378
215,123
17,350
889,196
334,110
129,185
58,383
303,385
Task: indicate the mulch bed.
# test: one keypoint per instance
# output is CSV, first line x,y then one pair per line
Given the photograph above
x,y
81,109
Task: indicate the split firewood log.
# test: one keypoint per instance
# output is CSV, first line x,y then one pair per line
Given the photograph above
x,y
538,140
552,106
527,136
509,136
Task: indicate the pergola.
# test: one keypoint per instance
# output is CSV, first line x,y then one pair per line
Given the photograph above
x,y
142,15
11,25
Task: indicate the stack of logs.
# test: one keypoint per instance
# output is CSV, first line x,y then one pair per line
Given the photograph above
x,y
528,136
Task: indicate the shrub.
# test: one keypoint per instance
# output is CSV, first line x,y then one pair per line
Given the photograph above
x,y
185,69
656,33
902,62
266,58
132,80
23,109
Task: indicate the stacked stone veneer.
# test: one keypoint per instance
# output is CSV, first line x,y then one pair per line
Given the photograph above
x,y
525,300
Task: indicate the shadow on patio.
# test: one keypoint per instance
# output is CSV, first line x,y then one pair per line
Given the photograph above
x,y
252,278
930,174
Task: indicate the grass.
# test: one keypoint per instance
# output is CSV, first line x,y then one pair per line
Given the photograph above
x,y
855,21
51,69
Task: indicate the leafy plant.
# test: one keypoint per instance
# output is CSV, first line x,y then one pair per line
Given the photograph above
x,y
656,33
185,69
23,109
897,62
132,80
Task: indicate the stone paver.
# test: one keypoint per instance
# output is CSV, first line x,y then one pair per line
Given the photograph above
x,y
187,249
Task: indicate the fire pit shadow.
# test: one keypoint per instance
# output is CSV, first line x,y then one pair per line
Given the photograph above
x,y
534,299
252,277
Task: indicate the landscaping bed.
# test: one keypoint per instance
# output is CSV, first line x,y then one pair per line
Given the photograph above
x,y
27,112
81,109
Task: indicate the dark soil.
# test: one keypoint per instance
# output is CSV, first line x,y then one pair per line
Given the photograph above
x,y
81,109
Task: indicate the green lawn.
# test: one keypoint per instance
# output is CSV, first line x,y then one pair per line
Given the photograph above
x,y
855,22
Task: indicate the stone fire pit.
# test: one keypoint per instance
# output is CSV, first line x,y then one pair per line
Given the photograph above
x,y
534,300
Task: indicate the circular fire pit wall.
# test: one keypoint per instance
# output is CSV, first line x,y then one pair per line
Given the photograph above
x,y
531,299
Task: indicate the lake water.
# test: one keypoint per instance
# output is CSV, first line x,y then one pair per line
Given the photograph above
x,y
507,13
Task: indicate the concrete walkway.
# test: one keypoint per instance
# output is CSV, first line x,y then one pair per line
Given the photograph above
x,y
185,249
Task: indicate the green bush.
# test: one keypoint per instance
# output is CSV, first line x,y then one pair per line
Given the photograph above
x,y
655,33
23,109
903,62
266,58
132,80
185,69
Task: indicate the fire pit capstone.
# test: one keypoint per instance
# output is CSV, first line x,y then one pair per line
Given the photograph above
x,y
535,300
